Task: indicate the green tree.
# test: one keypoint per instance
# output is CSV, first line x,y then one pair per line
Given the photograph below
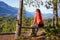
x,y
55,17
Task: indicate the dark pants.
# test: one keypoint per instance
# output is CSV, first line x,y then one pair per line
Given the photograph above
x,y
35,29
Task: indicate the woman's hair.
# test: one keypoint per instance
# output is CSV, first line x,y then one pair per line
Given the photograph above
x,y
38,10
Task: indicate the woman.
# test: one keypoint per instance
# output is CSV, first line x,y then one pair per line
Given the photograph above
x,y
37,20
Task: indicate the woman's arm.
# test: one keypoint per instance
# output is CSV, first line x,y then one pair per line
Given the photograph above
x,y
34,21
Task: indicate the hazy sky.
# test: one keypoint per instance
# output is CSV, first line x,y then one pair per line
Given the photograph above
x,y
15,3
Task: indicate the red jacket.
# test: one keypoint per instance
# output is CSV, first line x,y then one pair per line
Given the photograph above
x,y
38,18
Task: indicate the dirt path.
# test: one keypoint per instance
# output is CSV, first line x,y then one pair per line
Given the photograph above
x,y
10,36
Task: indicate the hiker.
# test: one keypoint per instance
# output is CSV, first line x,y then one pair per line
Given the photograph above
x,y
37,22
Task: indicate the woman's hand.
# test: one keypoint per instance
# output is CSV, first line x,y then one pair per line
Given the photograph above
x,y
32,26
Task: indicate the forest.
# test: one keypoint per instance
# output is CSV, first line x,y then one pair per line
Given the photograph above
x,y
8,24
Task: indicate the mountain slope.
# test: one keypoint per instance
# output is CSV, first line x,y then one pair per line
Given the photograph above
x,y
6,10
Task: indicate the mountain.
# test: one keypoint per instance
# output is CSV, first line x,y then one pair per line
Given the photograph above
x,y
31,14
49,15
44,15
6,10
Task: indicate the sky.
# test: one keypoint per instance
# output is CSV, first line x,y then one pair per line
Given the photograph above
x,y
15,3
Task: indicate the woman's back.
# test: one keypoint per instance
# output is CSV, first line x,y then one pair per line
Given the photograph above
x,y
38,18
